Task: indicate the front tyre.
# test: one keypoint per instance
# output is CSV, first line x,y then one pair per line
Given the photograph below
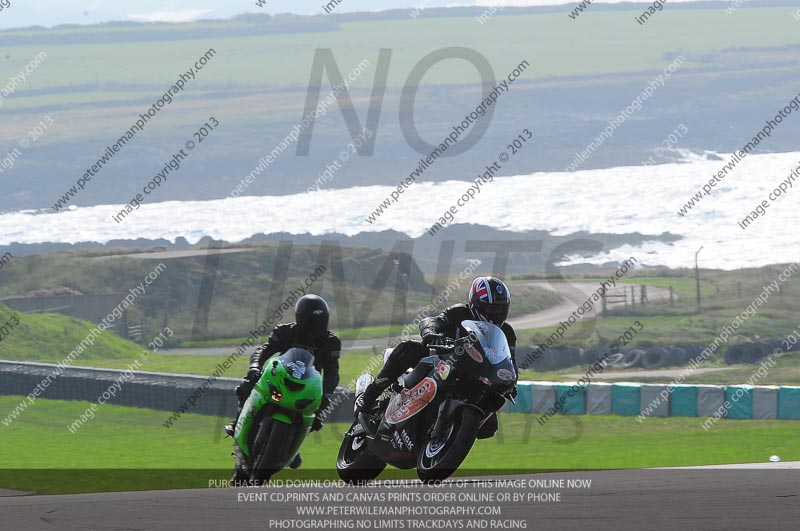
x,y
239,477
438,459
355,464
271,443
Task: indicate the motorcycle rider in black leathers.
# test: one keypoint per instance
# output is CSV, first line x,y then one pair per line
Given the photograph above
x,y
489,300
309,331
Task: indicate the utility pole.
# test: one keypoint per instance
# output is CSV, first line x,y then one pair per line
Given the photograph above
x,y
697,278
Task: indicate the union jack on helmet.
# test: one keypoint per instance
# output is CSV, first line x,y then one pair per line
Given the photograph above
x,y
489,300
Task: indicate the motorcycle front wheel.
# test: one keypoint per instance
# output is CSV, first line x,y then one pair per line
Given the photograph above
x,y
440,458
271,443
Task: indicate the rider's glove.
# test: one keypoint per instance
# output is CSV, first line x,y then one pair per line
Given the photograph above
x,y
317,424
433,340
514,392
325,402
252,376
248,383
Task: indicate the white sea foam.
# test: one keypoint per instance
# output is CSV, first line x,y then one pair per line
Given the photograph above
x,y
642,199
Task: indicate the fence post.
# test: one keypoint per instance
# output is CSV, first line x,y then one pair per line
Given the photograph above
x,y
671,298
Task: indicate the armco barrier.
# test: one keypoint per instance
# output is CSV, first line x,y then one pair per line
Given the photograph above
x,y
167,392
151,390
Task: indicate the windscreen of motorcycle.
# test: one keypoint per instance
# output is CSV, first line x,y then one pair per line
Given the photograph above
x,y
491,339
299,363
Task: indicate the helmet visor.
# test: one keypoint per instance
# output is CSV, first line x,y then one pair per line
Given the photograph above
x,y
497,313
314,327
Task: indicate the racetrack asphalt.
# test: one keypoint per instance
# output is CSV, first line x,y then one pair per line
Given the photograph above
x,y
767,498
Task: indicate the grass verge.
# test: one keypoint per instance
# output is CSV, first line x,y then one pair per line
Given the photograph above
x,y
128,448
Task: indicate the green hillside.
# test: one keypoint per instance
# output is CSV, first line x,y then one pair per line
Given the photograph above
x,y
51,337
243,285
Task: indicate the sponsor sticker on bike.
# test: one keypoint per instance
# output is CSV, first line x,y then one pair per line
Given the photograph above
x,y
474,353
505,374
401,441
297,369
443,370
410,402
494,356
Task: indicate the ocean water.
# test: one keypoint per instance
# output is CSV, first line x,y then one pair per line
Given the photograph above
x,y
642,199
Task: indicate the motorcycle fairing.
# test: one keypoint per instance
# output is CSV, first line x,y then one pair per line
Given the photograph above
x,y
409,402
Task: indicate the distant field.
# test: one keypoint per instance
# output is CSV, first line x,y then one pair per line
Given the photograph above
x,y
601,42
682,286
128,449
725,294
96,81
670,329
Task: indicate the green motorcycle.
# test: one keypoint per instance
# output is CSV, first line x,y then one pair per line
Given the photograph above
x,y
277,416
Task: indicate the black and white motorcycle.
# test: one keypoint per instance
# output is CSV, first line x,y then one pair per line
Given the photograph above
x,y
430,419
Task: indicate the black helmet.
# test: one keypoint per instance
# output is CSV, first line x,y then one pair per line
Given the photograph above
x,y
489,300
311,315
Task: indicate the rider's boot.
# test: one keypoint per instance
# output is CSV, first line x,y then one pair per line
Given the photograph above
x,y
365,402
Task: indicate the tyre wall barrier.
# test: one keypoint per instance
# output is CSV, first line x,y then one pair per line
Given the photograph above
x,y
560,357
757,351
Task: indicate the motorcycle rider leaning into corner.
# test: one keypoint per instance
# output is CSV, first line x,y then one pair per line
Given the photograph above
x,y
489,300
309,331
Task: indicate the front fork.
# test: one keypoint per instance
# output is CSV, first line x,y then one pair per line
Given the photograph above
x,y
447,409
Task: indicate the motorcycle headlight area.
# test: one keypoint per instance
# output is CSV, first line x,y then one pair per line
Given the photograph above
x,y
275,393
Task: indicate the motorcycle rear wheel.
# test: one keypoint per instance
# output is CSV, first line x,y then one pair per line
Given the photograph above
x,y
355,464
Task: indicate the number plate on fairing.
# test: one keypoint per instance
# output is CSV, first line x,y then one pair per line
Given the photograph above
x,y
410,401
